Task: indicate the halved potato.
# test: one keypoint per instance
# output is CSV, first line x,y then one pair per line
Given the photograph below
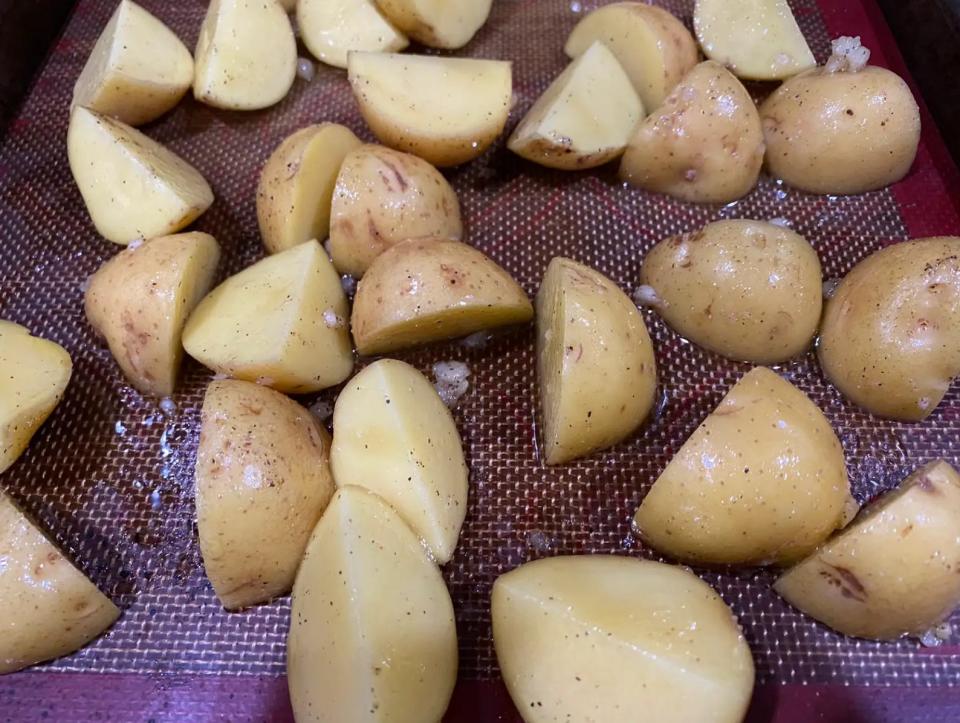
x,y
332,28
584,118
614,639
595,362
426,290
281,322
138,69
132,186
393,436
446,24
445,110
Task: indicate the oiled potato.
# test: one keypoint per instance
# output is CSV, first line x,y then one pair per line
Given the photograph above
x,y
332,28
762,480
426,290
614,639
246,55
34,374
50,608
393,436
132,186
139,302
138,69
893,571
654,48
748,290
595,362
372,633
704,144
296,185
446,24
890,338
262,481
446,110
281,322
383,196
584,118
288,5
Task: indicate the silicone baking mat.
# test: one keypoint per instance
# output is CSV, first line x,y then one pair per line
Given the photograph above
x,y
110,475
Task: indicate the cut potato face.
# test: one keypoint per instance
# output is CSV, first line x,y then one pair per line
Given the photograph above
x,y
246,55
138,69
395,437
602,638
332,28
446,110
262,481
761,481
893,571
139,302
584,118
281,322
595,362
296,185
132,186
383,197
50,608
446,24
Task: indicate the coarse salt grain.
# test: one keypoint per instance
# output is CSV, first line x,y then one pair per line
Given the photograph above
x,y
452,381
331,319
321,409
848,56
477,341
306,70
781,222
647,296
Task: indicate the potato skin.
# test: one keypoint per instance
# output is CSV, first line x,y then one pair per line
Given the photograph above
x,y
890,337
748,290
448,24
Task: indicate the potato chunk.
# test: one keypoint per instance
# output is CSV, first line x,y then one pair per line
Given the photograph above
x,y
331,29
448,24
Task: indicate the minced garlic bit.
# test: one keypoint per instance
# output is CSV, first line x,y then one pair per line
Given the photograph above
x,y
848,56
452,382
168,406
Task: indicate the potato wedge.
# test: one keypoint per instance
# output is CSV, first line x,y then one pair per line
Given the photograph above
x,y
50,608
393,436
448,24
893,571
382,197
584,119
138,69
446,110
297,182
132,186
288,5
372,633
332,28
614,639
595,362
761,481
281,322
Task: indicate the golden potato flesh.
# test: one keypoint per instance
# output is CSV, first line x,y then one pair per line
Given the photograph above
x,y
704,144
262,481
423,291
50,608
34,374
595,362
761,481
382,197
372,633
748,290
895,570
890,337
332,28
605,638
448,24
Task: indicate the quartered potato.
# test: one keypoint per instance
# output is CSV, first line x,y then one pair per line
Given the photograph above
x,y
762,480
281,322
382,197
595,362
50,608
246,55
296,185
615,639
132,186
890,338
372,633
446,24
704,144
894,570
34,374
262,481
139,302
426,290
332,28
748,290
138,69
584,118
446,110
393,436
